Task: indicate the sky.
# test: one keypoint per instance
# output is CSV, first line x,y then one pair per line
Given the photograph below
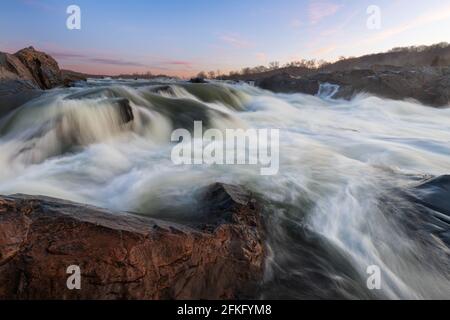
x,y
183,37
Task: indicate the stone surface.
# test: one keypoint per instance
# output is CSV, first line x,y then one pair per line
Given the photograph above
x,y
11,68
428,85
125,256
43,68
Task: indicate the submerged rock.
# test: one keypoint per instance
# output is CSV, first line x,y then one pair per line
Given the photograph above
x,y
125,256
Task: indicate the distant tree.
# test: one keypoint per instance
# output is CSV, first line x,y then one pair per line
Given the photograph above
x,y
274,65
246,71
202,75
211,74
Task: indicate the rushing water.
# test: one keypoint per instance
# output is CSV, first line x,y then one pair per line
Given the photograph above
x,y
342,199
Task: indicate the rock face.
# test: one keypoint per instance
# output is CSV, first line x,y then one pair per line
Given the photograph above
x,y
69,77
284,83
11,68
43,68
429,85
124,256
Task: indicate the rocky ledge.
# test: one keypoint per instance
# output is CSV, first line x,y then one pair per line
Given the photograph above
x,y
428,85
126,256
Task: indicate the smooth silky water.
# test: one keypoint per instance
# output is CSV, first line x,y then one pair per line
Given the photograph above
x,y
337,205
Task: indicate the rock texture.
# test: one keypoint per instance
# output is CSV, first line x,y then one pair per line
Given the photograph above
x,y
285,83
428,85
124,256
11,68
43,68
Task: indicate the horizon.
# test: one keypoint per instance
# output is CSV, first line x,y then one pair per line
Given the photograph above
x,y
177,38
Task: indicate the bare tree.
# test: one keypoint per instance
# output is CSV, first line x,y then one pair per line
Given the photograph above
x,y
202,75
274,65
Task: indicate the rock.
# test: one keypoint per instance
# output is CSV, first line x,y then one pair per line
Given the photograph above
x,y
198,80
70,77
435,194
432,199
43,68
125,256
284,83
11,68
427,85
14,93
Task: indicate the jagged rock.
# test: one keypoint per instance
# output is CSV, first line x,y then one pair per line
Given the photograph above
x,y
11,68
43,68
125,256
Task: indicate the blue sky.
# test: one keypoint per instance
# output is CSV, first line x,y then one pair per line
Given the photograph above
x,y
182,37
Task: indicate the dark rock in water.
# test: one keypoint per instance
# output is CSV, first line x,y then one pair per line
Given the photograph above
x,y
126,112
284,83
124,256
43,68
198,80
14,93
435,194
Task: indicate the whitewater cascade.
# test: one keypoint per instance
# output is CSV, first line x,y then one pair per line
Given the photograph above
x,y
341,201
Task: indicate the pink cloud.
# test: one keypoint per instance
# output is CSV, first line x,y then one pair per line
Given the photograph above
x,y
261,56
324,50
178,63
318,10
235,41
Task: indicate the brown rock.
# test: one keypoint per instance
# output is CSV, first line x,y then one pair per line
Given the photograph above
x,y
11,68
43,68
125,256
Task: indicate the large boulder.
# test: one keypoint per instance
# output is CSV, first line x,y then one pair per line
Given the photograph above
x,y
11,68
43,68
126,256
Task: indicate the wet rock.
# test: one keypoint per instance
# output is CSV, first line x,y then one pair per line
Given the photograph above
x,y
198,80
14,93
125,256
